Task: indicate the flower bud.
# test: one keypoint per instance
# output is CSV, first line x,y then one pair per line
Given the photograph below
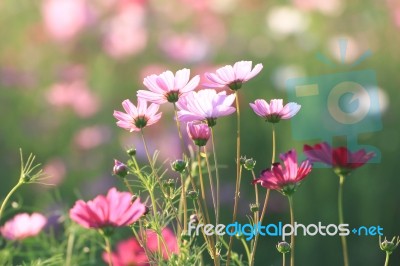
x,y
185,236
120,169
192,194
242,160
179,166
283,247
146,211
249,164
134,198
170,183
131,152
389,246
199,133
254,207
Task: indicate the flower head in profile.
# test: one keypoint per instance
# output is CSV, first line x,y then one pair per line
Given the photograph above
x,y
170,240
23,225
341,159
285,179
232,76
168,88
205,105
138,117
274,111
128,252
199,133
114,210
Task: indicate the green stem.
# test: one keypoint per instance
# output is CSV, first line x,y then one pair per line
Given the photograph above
x,y
292,235
237,174
203,193
70,245
127,185
183,198
283,259
178,126
217,175
7,198
341,220
387,259
246,248
108,250
273,143
210,177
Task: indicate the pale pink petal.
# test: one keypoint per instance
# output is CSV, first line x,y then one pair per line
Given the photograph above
x,y
151,96
289,110
254,72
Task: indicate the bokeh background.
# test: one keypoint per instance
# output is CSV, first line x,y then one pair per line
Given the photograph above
x,y
65,65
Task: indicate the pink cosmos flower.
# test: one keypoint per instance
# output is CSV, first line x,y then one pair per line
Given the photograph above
x,y
205,105
170,242
129,252
233,77
275,111
199,133
137,118
168,88
115,209
341,159
287,179
23,225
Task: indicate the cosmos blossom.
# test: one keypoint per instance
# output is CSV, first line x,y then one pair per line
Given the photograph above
x,y
168,87
170,241
138,117
23,225
340,158
128,252
115,209
205,105
232,76
285,179
274,111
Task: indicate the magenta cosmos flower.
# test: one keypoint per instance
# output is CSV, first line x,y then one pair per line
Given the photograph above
x,y
341,159
232,76
199,133
115,210
138,117
285,179
23,225
128,252
205,105
274,111
167,87
171,243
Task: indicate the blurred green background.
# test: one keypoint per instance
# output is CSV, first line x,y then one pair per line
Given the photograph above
x,y
65,65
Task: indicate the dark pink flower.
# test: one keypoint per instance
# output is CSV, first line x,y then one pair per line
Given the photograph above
x,y
168,237
274,111
285,179
138,117
198,132
232,76
23,225
341,159
120,169
168,88
128,252
205,105
115,209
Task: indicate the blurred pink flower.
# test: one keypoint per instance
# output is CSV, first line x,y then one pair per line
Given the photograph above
x,y
56,170
23,225
205,105
137,118
340,158
199,133
233,77
285,180
92,137
125,33
168,88
115,209
394,7
186,48
76,95
129,252
64,19
274,111
169,239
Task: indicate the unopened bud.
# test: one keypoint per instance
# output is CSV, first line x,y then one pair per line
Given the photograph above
x,y
389,246
193,194
134,198
179,166
254,207
194,219
283,247
249,164
120,169
242,160
131,152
